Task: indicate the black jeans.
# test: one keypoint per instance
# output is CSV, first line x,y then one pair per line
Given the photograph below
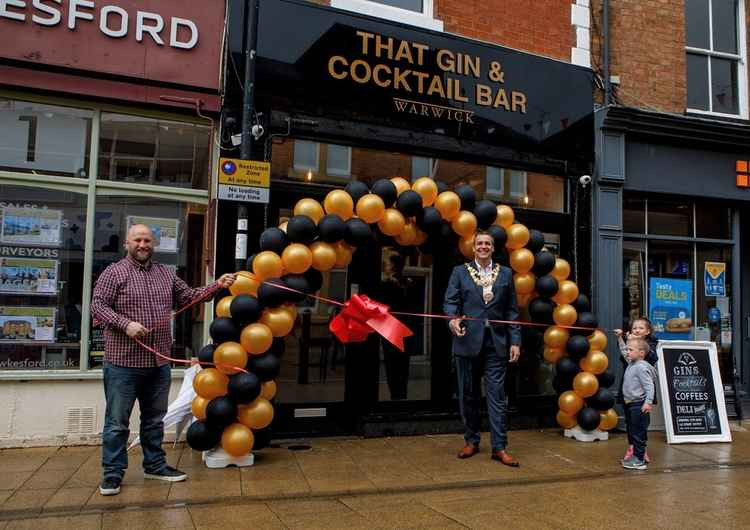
x,y
637,423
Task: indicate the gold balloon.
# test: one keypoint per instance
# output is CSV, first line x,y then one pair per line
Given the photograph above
x,y
222,308
408,235
585,384
567,292
556,337
466,246
570,403
552,355
228,356
268,390
310,208
323,256
256,415
370,208
565,315
256,338
561,270
392,223
401,184
267,264
427,188
608,420
518,236
565,420
297,258
210,383
464,224
343,254
595,362
598,340
237,439
339,202
291,310
198,407
524,299
448,204
245,283
279,321
524,282
421,237
282,226
505,216
521,260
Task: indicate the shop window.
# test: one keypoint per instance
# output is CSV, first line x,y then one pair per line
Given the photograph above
x,y
715,56
494,183
178,230
413,12
42,235
141,150
634,215
421,167
713,220
714,302
633,280
306,155
44,138
517,184
338,160
670,218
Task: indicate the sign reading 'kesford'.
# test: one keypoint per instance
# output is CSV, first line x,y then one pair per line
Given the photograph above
x,y
244,180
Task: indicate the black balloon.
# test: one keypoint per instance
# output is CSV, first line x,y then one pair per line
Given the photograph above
x,y
223,329
386,190
562,384
409,203
203,437
540,310
301,229
500,236
221,412
331,228
447,235
536,242
243,388
544,262
245,309
429,220
261,438
577,346
266,366
314,279
588,418
606,379
585,320
358,233
206,354
249,265
269,295
297,282
566,368
546,286
486,212
468,198
357,189
278,347
603,400
273,239
582,303
441,186
501,256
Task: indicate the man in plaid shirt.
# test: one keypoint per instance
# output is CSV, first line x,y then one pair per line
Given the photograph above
x,y
134,299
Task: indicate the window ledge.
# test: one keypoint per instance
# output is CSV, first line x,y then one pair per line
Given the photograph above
x,y
391,13
64,375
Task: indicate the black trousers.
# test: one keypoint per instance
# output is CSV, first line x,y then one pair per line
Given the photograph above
x,y
637,423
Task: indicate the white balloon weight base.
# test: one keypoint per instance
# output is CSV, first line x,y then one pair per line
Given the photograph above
x,y
218,458
586,436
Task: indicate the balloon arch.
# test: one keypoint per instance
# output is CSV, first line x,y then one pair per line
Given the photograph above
x,y
234,397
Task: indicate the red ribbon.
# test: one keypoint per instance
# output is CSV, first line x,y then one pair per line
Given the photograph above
x,y
361,316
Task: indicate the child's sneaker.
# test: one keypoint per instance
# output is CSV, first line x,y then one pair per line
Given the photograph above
x,y
634,463
628,453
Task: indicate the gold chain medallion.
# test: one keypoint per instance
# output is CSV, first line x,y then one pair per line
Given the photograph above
x,y
484,280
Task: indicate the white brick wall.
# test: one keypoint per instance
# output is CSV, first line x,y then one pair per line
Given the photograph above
x,y
580,18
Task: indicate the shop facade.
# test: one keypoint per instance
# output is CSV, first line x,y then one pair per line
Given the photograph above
x,y
107,119
344,95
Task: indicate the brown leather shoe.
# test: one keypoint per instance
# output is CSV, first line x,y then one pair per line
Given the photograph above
x,y
505,458
468,451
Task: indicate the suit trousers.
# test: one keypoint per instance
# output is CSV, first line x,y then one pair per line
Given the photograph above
x,y
470,370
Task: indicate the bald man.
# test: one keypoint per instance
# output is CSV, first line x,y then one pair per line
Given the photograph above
x,y
134,298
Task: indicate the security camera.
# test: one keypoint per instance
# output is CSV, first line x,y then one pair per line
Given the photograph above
x,y
257,131
585,180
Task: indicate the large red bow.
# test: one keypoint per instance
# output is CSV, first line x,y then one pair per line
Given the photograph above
x,y
361,316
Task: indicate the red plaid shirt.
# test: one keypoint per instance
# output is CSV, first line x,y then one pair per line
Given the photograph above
x,y
128,291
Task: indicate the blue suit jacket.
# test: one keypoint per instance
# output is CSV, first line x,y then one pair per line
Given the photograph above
x,y
464,297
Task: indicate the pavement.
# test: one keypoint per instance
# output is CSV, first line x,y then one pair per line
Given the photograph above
x,y
400,482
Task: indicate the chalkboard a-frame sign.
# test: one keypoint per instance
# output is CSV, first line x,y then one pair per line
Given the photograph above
x,y
692,393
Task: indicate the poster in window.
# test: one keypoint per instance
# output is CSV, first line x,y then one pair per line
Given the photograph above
x,y
714,278
28,276
22,324
31,226
670,307
165,231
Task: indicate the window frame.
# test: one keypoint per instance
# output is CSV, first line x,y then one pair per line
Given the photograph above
x,y
494,192
740,61
425,19
305,168
334,172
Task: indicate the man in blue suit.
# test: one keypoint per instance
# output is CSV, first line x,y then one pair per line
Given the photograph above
x,y
483,290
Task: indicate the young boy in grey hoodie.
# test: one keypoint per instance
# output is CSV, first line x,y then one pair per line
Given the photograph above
x,y
638,390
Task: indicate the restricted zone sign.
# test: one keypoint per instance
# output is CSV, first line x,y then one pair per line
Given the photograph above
x,y
244,180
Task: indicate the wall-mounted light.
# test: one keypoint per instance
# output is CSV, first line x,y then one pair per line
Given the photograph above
x,y
525,200
309,175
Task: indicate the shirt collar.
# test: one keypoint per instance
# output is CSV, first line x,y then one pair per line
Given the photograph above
x,y
480,268
136,264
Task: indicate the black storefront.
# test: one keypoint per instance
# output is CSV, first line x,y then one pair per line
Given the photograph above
x,y
342,97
